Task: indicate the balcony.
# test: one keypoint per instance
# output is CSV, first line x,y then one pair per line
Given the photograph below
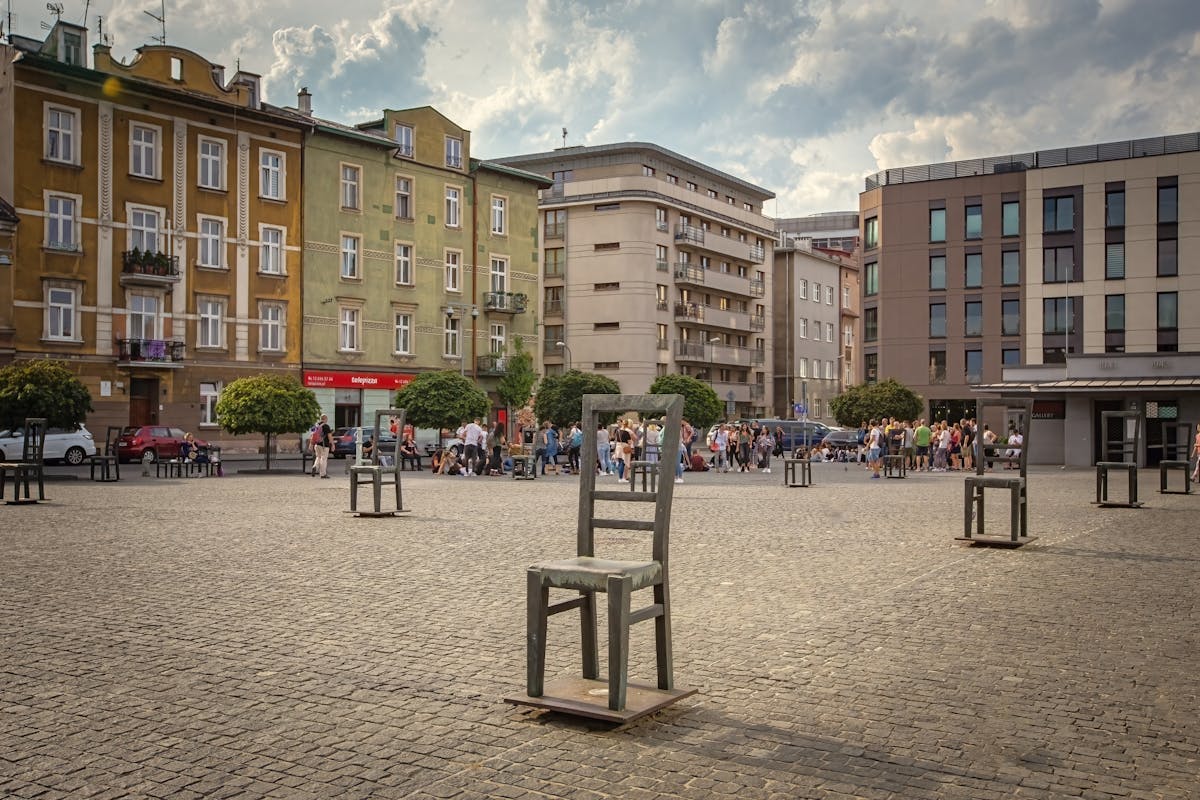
x,y
661,303
553,307
688,273
662,225
159,352
491,364
730,355
506,302
662,266
148,268
692,311
757,288
554,230
758,322
689,234
454,160
690,351
757,254
664,344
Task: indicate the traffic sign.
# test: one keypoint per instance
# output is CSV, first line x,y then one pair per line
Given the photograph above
x,y
801,409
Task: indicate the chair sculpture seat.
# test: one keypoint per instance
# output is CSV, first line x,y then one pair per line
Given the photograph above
x,y
647,471
792,466
1017,485
895,465
586,574
29,467
379,470
1175,457
524,465
106,463
1121,455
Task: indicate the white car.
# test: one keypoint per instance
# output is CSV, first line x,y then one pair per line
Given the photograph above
x,y
71,446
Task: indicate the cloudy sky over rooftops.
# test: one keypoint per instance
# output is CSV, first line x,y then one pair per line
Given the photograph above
x,y
802,98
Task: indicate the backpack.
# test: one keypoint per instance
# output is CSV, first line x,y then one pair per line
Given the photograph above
x,y
317,436
577,439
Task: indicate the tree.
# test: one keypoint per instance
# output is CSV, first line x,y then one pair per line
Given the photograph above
x,y
516,387
43,389
560,397
267,404
442,400
701,406
888,398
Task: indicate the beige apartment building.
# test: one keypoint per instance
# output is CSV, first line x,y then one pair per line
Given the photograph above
x,y
1069,276
655,264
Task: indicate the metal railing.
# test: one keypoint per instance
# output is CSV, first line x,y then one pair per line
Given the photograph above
x,y
664,344
662,304
553,307
552,348
689,273
491,364
158,351
758,322
757,391
693,311
757,254
555,270
689,233
662,225
554,230
661,265
695,350
757,287
511,302
758,356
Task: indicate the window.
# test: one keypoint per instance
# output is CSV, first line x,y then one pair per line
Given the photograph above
x,y
973,278
211,330
1114,209
404,198
870,281
143,322
176,68
828,295
270,251
350,185
1058,264
845,297
1058,324
816,368
973,318
1168,322
499,212
1010,357
712,193
974,227
691,187
937,272
1114,313
61,232
404,140
828,373
211,172
271,166
673,179
453,272
937,366
211,244
1168,260
1168,204
556,262
143,230
1058,214
350,249
270,327
454,152
647,172
453,193
1010,317
60,314
829,331
660,218
73,50
404,265
937,320
1010,218
402,325
143,151
1010,268
974,366
937,224
209,394
871,367
615,286
816,292
871,324
61,141
848,335
747,207
450,344
803,288
496,338
871,233
499,274
802,327
1114,261
348,329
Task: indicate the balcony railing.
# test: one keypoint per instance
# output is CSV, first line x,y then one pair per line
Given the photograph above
x,y
691,350
757,287
150,265
149,351
758,322
554,230
454,161
661,265
662,225
693,311
664,344
757,254
405,150
758,357
553,307
685,272
491,364
506,302
689,234
662,304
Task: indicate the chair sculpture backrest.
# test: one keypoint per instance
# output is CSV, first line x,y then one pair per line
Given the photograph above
x,y
1177,441
980,452
670,408
1125,446
381,415
112,437
34,446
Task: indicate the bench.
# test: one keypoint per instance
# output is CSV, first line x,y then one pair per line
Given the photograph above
x,y
793,465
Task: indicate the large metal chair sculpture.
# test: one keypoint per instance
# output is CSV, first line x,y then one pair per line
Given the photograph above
x,y
1120,454
106,463
1176,454
587,574
376,470
31,465
975,486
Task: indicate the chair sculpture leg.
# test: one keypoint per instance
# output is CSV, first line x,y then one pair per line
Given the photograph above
x,y
662,638
968,508
588,635
619,590
377,489
1014,524
1101,484
353,491
1133,487
536,602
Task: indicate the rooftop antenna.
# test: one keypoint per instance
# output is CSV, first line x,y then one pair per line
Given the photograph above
x,y
564,137
86,6
161,19
54,8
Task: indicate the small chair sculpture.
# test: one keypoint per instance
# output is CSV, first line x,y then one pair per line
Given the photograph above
x,y
975,486
1177,450
106,462
589,575
793,465
376,469
30,466
1120,453
895,463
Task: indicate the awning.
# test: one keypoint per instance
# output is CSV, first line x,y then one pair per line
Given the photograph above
x,y
1093,385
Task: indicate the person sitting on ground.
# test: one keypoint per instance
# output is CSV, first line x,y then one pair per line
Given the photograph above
x,y
451,465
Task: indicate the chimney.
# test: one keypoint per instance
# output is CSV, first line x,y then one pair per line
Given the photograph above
x,y
304,102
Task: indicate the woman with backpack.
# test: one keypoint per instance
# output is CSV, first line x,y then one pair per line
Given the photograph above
x,y
322,442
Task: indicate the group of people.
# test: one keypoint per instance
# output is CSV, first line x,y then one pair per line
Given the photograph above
x,y
745,447
942,447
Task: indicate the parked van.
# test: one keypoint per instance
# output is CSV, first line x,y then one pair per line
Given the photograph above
x,y
797,433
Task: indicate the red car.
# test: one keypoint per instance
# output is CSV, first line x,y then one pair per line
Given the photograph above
x,y
151,442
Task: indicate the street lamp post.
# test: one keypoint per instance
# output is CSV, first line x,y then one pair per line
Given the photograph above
x,y
566,350
712,346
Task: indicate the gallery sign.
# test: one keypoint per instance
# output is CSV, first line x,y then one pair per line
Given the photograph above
x,y
1049,409
320,379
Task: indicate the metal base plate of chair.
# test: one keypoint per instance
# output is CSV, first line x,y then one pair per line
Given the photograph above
x,y
380,469
614,699
975,486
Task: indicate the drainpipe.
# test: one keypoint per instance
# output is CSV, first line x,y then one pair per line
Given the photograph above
x,y
474,271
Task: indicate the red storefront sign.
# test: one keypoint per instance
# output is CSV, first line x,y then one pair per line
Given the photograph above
x,y
317,379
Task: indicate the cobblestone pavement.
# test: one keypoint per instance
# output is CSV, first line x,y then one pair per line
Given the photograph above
x,y
244,637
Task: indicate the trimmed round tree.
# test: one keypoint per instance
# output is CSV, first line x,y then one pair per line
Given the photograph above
x,y
560,397
442,400
267,404
867,401
701,406
516,386
42,389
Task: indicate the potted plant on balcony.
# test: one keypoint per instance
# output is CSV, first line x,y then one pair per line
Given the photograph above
x,y
519,301
162,263
133,260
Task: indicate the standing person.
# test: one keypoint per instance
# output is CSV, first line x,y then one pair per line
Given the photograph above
x,y
496,463
686,435
650,447
921,438
470,437
968,443
907,446
863,430
941,458
766,443
682,457
574,446
874,448
603,450
625,451
988,437
1196,455
722,441
541,443
321,447
744,442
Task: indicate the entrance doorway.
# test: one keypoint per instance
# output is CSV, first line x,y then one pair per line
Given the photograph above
x,y
143,401
347,409
1100,436
1158,413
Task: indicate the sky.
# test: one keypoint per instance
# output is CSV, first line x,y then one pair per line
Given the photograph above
x,y
803,98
